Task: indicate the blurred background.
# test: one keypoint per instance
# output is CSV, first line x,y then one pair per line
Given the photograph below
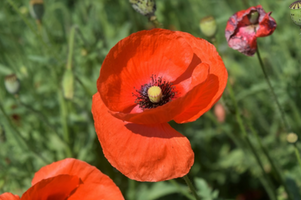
x,y
49,117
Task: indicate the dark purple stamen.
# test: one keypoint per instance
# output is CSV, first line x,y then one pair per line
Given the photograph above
x,y
168,93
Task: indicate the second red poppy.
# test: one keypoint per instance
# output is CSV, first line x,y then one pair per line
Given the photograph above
x,y
245,26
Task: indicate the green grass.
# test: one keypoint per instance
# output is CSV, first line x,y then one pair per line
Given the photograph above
x,y
40,126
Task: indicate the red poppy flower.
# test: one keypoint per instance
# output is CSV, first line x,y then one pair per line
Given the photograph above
x,y
242,29
69,179
9,196
133,131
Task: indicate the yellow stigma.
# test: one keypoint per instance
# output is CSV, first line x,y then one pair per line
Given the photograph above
x,y
154,94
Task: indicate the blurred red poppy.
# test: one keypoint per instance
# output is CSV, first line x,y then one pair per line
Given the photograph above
x,y
69,179
245,26
133,131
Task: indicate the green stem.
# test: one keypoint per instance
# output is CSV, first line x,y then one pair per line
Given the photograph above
x,y
271,161
20,139
155,22
297,154
64,117
184,192
81,35
269,186
191,187
23,18
39,114
88,91
71,44
37,35
284,122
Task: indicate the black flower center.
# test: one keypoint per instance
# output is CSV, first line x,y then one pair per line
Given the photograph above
x,y
142,98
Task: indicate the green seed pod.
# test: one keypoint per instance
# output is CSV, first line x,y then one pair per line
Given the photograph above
x,y
295,10
68,84
253,17
208,26
144,7
12,84
37,9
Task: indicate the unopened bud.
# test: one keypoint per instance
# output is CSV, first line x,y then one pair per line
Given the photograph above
x,y
23,10
208,26
68,84
144,7
37,9
219,112
12,84
295,10
292,137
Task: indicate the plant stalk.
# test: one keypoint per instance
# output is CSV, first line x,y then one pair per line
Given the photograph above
x,y
191,187
283,119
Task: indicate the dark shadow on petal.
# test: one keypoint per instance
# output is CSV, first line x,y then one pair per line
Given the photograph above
x,y
157,131
188,73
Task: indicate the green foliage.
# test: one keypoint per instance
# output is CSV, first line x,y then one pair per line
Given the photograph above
x,y
39,126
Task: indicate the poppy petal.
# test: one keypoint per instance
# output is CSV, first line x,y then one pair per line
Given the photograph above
x,y
88,174
266,26
58,187
167,112
199,100
141,152
211,91
133,60
9,196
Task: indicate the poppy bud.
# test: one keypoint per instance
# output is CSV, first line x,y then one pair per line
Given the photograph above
x,y
12,84
208,26
295,10
68,82
292,137
23,10
37,9
219,112
144,7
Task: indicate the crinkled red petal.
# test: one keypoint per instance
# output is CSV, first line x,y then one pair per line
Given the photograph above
x,y
237,20
9,196
133,60
58,187
241,34
89,175
267,25
141,152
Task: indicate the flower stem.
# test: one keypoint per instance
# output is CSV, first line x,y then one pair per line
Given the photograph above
x,y
20,139
271,161
155,21
184,192
297,154
70,48
268,186
284,122
191,187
